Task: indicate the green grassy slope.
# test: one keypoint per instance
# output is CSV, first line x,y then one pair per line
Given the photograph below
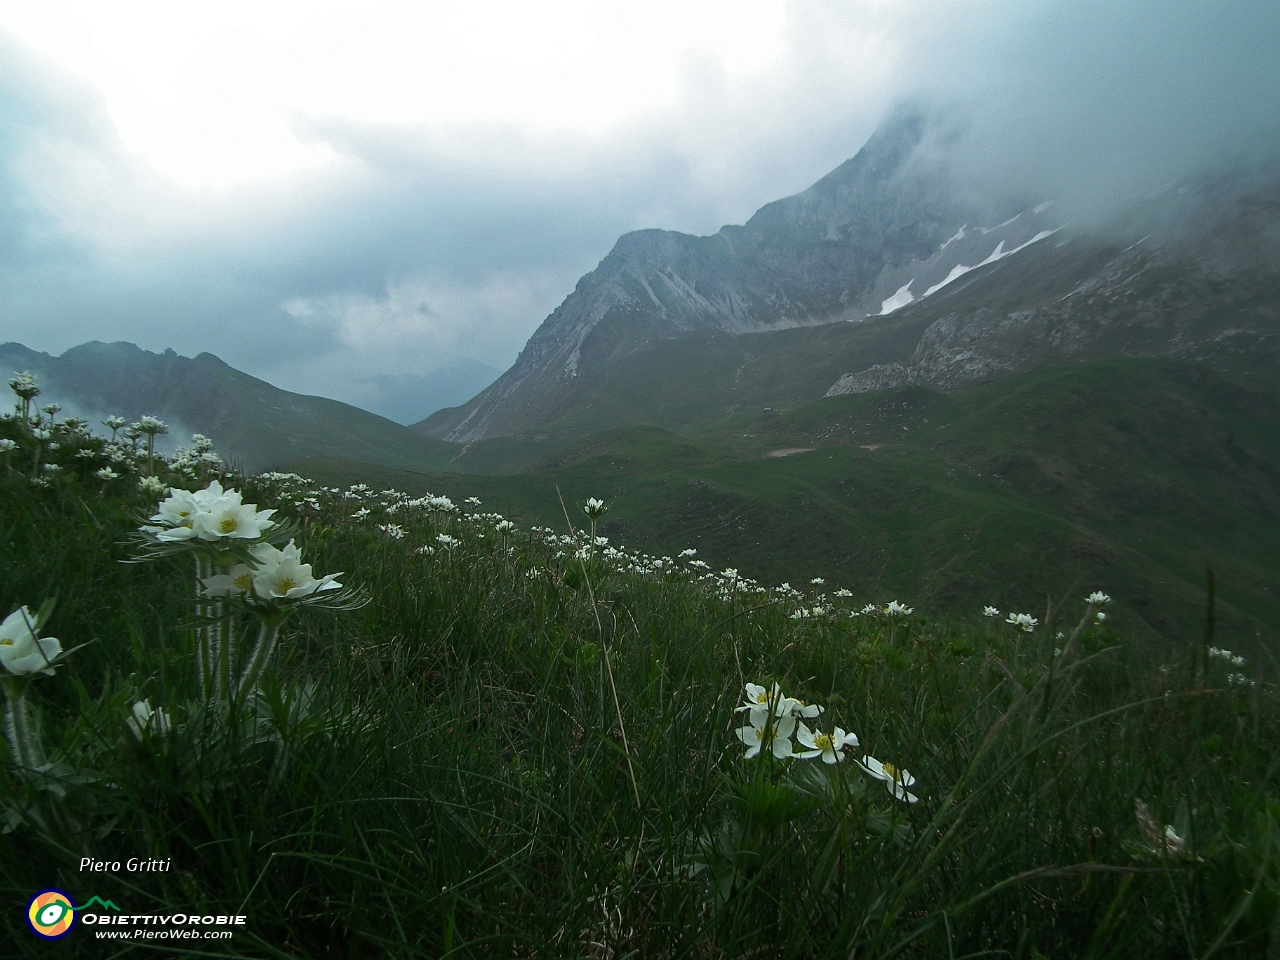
x,y
522,747
1129,475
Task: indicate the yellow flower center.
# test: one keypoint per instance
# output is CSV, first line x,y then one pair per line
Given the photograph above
x,y
823,742
228,525
892,771
286,584
759,732
243,581
6,642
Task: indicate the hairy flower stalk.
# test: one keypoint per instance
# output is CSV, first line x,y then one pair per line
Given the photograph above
x,y
26,750
262,651
23,656
206,652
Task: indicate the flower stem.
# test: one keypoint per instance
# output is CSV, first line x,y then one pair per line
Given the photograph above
x,y
206,644
25,749
261,655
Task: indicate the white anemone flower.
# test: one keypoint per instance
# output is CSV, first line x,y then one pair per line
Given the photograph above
x,y
235,582
990,612
760,702
594,508
176,511
825,745
801,709
22,653
1023,621
776,735
895,778
228,517
283,576
143,719
896,609
1098,598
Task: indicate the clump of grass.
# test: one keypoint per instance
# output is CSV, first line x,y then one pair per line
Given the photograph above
x,y
531,742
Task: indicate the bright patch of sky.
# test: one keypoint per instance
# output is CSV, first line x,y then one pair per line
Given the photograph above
x,y
216,94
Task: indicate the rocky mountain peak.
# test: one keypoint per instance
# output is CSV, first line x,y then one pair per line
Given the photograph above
x,y
811,258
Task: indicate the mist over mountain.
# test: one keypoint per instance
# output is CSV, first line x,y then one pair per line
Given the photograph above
x,y
410,397
894,244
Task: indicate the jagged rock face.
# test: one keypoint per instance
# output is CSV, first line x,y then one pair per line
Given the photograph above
x,y
816,257
1204,284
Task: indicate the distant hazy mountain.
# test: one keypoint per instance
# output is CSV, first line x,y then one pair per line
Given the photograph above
x,y
672,329
408,398
248,419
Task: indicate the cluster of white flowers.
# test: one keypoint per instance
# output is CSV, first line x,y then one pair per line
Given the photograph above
x,y
891,610
1220,654
276,575
1023,621
807,613
772,719
194,461
211,514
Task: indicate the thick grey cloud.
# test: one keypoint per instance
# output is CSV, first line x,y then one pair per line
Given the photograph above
x,y
417,247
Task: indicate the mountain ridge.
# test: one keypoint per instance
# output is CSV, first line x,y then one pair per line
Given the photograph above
x,y
251,421
1193,271
803,260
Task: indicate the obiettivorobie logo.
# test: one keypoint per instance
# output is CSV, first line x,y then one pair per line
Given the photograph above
x,y
52,915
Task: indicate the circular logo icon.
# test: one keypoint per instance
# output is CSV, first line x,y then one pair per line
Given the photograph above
x,y
51,914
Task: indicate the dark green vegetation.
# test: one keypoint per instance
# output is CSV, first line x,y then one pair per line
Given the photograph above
x,y
262,425
447,771
1129,475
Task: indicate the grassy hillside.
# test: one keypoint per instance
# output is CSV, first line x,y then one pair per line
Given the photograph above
x,y
526,744
1128,474
251,421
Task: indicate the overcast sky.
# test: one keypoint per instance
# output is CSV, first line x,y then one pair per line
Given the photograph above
x,y
327,194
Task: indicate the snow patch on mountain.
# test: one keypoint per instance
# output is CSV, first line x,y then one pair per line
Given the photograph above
x,y
903,296
899,299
